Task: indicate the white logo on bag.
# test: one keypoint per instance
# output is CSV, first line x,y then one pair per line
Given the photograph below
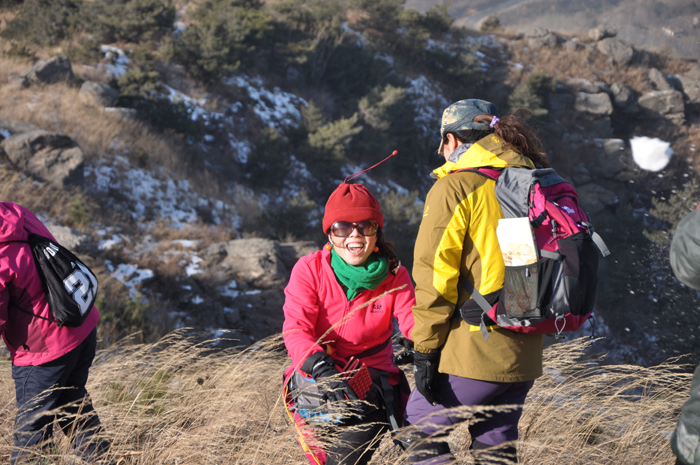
x,y
568,210
50,251
81,285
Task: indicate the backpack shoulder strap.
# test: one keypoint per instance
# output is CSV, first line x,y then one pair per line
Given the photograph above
x,y
490,173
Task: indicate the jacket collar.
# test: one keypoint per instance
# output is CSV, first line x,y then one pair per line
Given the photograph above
x,y
490,152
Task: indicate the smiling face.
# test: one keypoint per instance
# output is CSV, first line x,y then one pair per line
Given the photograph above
x,y
354,249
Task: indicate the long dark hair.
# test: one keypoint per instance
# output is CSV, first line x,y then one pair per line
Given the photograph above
x,y
386,249
514,132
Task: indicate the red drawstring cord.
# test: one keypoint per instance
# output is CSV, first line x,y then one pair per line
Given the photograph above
x,y
353,176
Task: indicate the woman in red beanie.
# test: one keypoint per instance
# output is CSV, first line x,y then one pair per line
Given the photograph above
x,y
338,308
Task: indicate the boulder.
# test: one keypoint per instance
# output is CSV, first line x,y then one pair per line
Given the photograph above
x,y
584,85
57,69
574,45
15,126
622,95
619,52
97,93
255,261
290,252
602,32
665,102
68,237
611,158
541,37
49,156
122,114
595,198
658,80
691,88
595,104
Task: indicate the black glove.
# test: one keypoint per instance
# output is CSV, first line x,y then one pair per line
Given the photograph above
x,y
331,384
425,368
405,357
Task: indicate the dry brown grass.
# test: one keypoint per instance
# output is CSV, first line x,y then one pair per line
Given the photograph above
x,y
178,401
58,108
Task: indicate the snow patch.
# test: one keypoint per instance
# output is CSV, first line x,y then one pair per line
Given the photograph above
x,y
151,195
118,58
196,106
650,154
430,102
275,108
193,268
131,276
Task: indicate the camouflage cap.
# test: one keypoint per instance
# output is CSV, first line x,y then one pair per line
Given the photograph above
x,y
460,115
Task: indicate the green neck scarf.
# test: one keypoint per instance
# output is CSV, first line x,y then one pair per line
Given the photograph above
x,y
358,278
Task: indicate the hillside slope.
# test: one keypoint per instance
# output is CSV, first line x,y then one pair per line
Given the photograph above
x,y
210,145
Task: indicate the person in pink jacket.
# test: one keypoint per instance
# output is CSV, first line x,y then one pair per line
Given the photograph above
x,y
49,363
340,303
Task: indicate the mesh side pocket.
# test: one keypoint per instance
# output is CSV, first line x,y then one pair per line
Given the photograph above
x,y
526,289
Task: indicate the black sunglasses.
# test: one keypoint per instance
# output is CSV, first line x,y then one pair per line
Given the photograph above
x,y
344,229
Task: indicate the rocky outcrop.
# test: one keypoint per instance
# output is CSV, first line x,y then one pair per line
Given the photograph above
x,y
48,156
574,45
541,37
667,103
623,98
658,80
97,93
619,52
595,104
584,85
602,32
254,261
15,126
52,71
691,88
613,160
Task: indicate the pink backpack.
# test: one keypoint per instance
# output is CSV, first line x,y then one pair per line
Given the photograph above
x,y
558,292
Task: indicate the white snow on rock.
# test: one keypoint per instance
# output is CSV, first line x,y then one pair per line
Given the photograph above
x,y
131,276
275,108
151,194
193,268
230,290
198,112
106,244
119,61
430,102
650,154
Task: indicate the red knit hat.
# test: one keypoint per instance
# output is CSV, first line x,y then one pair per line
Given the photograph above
x,y
353,203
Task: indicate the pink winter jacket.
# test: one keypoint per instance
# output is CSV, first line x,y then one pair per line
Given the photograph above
x,y
30,340
315,302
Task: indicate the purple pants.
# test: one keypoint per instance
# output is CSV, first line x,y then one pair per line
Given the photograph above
x,y
492,429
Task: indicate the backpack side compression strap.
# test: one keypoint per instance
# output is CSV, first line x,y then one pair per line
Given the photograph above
x,y
480,300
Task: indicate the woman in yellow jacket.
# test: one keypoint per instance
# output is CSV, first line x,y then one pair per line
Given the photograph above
x,y
454,364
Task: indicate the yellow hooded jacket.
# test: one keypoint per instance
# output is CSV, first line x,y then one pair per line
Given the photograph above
x,y
457,237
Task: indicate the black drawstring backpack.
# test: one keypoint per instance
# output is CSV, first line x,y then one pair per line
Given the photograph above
x,y
69,285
